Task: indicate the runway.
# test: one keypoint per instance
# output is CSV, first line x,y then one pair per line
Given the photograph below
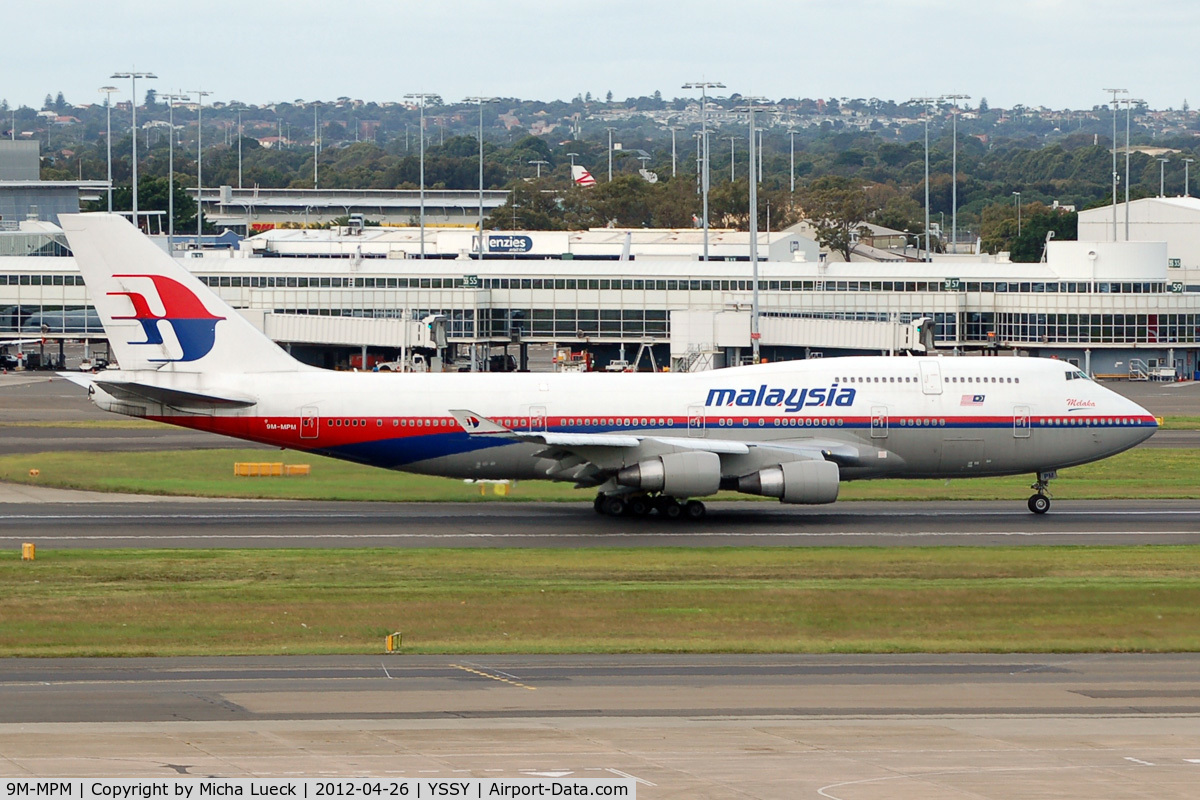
x,y
719,726
272,524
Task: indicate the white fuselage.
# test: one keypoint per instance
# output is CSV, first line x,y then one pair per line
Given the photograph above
x,y
877,417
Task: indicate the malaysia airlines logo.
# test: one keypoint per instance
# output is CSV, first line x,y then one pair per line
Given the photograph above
x,y
792,399
195,328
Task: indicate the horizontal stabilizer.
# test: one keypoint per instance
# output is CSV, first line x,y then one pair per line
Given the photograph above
x,y
175,398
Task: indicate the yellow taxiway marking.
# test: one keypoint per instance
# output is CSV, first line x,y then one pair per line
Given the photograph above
x,y
483,674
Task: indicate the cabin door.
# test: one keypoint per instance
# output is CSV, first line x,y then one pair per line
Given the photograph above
x,y
931,377
879,422
696,421
310,422
1021,422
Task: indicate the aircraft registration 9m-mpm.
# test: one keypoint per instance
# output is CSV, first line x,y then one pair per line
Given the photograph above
x,y
645,442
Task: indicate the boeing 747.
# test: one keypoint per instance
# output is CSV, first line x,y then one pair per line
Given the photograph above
x,y
644,442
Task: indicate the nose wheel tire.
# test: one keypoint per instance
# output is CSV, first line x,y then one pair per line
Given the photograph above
x,y
1039,504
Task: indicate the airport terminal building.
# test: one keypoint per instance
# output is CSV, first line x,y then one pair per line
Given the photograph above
x,y
1115,308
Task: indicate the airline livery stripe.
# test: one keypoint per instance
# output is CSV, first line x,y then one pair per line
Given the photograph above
x,y
400,440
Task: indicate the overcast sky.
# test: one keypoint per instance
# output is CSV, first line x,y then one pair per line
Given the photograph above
x,y
1058,53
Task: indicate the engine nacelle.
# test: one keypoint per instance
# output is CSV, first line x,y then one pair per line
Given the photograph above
x,y
809,482
692,474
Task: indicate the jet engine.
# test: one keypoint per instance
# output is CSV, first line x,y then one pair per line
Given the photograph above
x,y
690,474
809,482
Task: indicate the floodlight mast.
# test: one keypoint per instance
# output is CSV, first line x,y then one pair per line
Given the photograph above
x,y
133,76
926,101
200,93
107,91
755,335
171,99
422,98
1129,101
1115,92
482,102
954,98
704,86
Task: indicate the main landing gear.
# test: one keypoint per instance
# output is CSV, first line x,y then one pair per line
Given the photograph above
x,y
1040,502
643,505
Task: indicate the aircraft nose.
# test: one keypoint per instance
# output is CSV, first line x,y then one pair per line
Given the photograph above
x,y
1143,423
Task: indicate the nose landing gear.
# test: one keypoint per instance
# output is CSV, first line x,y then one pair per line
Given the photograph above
x,y
1040,502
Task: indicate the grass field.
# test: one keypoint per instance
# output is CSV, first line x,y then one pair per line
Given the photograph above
x,y
125,602
1140,473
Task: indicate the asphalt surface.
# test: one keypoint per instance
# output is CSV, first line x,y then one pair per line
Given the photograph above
x,y
274,524
774,727
528,687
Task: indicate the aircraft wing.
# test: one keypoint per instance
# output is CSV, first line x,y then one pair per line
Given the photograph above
x,y
479,425
587,457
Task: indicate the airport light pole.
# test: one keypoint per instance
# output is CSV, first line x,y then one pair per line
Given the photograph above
x,y
674,129
422,98
925,101
755,335
1115,92
759,175
482,102
1186,190
316,140
108,93
792,159
731,139
572,156
704,86
1018,196
1162,171
133,76
201,94
610,146
1129,101
171,99
954,98
239,130
538,163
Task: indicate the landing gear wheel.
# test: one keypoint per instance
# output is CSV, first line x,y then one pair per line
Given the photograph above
x,y
598,504
639,506
694,509
612,506
669,507
1039,504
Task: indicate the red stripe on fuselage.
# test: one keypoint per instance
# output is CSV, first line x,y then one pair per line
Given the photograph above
x,y
342,431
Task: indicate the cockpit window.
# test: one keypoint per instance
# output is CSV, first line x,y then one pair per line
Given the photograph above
x,y
1077,375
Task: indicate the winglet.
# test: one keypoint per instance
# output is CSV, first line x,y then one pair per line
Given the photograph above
x,y
478,424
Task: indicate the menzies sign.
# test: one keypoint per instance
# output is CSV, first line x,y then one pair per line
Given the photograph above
x,y
505,243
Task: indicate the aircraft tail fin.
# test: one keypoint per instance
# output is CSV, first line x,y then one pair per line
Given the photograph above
x,y
158,316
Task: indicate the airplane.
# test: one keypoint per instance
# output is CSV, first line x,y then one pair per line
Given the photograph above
x,y
647,443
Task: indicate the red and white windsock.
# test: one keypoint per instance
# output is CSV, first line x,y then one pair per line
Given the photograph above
x,y
581,176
